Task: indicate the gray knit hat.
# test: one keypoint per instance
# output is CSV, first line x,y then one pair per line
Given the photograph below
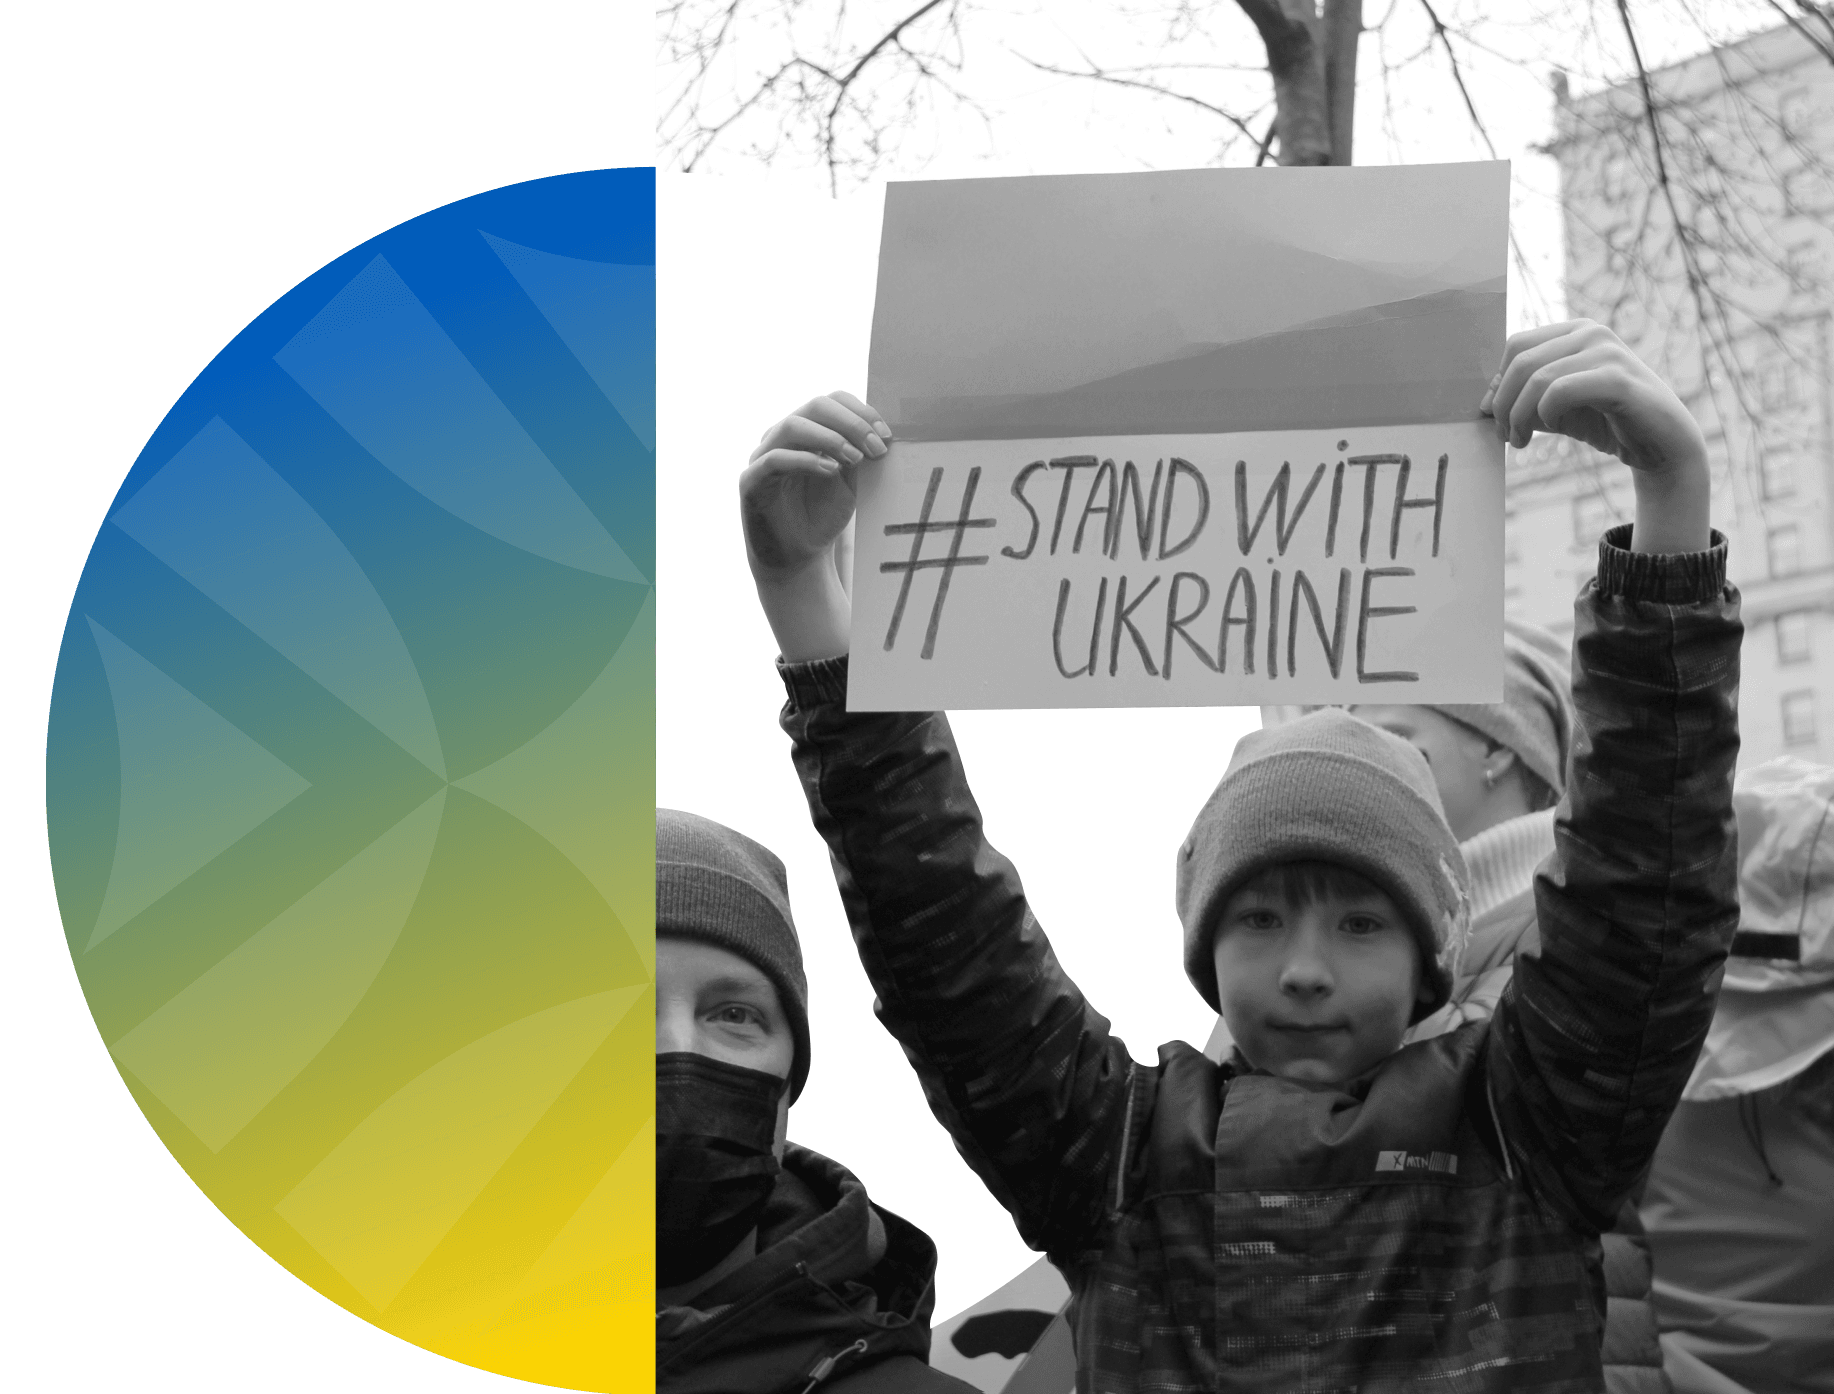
x,y
720,887
1535,718
1328,787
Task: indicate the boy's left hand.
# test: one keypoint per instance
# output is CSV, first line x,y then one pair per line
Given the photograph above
x,y
1580,380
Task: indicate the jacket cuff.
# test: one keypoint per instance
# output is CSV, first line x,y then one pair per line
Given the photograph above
x,y
1666,578
815,682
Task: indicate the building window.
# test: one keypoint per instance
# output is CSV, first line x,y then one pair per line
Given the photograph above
x,y
1793,637
1800,268
1794,112
1805,190
1784,548
1615,179
1592,515
1777,472
1799,718
1779,384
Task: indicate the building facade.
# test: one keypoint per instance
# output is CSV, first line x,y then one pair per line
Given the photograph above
x,y
1734,311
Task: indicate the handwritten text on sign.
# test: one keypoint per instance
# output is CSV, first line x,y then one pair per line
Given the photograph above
x,y
1280,566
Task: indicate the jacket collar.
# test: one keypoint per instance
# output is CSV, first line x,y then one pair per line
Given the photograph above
x,y
831,1270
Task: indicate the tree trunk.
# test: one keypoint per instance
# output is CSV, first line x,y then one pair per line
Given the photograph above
x,y
1312,58
1343,26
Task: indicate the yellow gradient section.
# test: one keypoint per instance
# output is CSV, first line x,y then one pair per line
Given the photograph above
x,y
591,1291
438,1142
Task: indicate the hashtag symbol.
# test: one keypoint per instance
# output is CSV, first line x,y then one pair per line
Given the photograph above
x,y
917,531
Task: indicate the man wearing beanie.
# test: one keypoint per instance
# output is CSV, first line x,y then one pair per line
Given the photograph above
x,y
773,1271
1330,1208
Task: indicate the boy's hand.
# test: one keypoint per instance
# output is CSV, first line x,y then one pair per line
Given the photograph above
x,y
1580,379
796,503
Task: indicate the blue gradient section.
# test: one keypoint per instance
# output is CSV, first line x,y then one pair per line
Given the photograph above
x,y
288,579
386,372
585,301
495,679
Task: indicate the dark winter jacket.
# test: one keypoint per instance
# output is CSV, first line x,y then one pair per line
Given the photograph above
x,y
1434,1223
837,1301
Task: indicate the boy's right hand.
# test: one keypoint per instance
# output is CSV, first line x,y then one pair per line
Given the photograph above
x,y
796,502
1581,380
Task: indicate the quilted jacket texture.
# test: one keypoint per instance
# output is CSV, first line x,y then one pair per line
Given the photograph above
x,y
1433,1224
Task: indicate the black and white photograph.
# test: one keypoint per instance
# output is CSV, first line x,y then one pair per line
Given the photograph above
x,y
1375,933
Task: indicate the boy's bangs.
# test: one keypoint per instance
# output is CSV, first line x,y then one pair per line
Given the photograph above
x,y
1306,883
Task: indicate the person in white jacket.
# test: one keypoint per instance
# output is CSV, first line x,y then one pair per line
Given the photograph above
x,y
1740,1201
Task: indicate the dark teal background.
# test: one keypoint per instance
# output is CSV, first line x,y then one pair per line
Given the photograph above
x,y
169,173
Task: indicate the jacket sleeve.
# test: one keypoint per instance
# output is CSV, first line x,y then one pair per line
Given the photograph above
x,y
1028,1079
1595,1037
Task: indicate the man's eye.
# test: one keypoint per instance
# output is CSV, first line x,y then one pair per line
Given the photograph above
x,y
737,1014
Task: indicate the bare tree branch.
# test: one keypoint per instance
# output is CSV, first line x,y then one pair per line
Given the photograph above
x,y
847,102
1098,74
1708,314
1266,142
1458,75
1445,40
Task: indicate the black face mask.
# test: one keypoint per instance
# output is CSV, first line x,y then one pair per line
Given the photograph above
x,y
715,1168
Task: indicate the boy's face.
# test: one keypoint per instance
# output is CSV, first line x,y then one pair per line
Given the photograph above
x,y
711,1002
1316,992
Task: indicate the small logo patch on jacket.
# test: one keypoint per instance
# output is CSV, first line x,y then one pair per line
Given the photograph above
x,y
1414,1161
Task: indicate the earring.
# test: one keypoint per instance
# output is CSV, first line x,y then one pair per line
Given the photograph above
x,y
1490,779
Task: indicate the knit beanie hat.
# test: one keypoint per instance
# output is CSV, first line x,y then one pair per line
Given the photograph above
x,y
1330,788
1535,718
720,887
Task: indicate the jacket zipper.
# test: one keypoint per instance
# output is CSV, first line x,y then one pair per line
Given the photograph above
x,y
1496,1121
825,1366
1127,1127
741,1309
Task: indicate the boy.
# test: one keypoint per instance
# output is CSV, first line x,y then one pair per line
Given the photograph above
x,y
774,1274
1341,1212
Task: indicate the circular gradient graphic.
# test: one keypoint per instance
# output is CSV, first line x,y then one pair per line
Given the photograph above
x,y
351,780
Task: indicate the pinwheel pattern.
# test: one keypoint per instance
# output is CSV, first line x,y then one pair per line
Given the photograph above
x,y
351,779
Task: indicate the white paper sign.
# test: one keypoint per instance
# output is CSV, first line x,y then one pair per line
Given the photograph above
x,y
1198,438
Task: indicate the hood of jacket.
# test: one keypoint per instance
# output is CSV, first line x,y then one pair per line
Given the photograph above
x,y
834,1276
1503,861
